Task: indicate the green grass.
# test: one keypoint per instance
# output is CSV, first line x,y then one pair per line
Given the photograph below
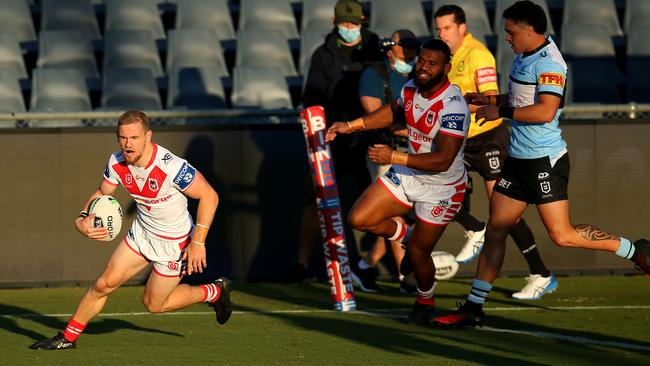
x,y
292,325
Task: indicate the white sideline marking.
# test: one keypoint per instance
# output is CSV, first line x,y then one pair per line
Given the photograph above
x,y
562,337
307,311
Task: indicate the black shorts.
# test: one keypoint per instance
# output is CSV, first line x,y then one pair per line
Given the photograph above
x,y
535,180
486,153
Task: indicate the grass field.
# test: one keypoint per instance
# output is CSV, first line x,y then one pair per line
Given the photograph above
x,y
587,321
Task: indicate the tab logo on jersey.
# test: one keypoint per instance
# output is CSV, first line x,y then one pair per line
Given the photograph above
x,y
552,79
486,75
185,176
453,121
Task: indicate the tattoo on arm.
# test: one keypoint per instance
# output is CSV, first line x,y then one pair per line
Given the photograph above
x,y
590,232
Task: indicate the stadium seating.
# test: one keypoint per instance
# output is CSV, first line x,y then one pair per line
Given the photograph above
x,y
638,60
67,49
76,15
260,87
317,14
389,16
130,88
11,98
501,5
205,14
134,15
475,11
636,13
195,88
11,57
595,12
268,15
16,18
58,90
195,48
504,58
131,48
590,52
262,48
310,39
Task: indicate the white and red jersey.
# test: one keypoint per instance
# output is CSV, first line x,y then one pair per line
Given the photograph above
x,y
157,190
447,113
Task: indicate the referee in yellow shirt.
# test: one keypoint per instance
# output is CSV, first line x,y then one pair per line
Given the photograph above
x,y
473,70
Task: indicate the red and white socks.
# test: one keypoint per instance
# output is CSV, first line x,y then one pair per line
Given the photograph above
x,y
210,292
402,233
73,330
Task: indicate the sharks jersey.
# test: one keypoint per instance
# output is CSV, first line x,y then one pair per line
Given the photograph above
x,y
157,190
447,113
542,71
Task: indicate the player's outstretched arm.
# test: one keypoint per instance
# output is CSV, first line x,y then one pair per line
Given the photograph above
x,y
208,198
85,222
381,118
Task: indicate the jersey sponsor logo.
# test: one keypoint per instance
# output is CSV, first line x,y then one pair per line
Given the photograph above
x,y
461,66
545,186
542,175
408,105
552,79
156,201
486,75
107,172
453,121
503,183
454,98
185,176
167,158
153,184
392,177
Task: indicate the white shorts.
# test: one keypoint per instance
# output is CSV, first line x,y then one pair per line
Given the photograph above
x,y
164,252
435,204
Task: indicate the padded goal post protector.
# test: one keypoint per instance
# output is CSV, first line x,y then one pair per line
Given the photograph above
x,y
329,208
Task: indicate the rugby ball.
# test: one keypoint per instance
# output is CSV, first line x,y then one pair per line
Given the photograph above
x,y
446,265
108,214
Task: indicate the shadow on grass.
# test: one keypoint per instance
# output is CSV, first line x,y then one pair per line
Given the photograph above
x,y
392,339
98,325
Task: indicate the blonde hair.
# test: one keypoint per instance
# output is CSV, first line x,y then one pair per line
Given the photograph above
x,y
134,116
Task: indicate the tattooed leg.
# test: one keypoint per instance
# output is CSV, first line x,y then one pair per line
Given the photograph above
x,y
590,232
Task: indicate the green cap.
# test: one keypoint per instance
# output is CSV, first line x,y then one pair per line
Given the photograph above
x,y
348,11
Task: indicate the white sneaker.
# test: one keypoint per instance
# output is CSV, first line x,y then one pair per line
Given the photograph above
x,y
472,247
536,287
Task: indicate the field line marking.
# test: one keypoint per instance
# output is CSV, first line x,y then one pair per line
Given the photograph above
x,y
562,337
306,311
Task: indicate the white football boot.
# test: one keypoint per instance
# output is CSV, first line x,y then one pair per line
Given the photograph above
x,y
536,287
472,247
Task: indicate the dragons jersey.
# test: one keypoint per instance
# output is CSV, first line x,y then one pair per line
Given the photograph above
x,y
157,190
541,71
473,70
447,113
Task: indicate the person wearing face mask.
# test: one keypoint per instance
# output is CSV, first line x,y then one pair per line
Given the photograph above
x,y
473,70
380,84
332,82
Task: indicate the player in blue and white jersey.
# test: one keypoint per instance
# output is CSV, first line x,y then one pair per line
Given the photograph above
x,y
537,168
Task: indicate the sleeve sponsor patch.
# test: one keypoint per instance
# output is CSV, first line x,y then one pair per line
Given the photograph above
x,y
552,79
486,75
453,121
107,173
185,176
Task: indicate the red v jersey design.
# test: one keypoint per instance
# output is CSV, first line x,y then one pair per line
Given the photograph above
x,y
152,184
427,120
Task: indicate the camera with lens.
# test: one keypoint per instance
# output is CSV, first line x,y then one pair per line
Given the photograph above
x,y
386,44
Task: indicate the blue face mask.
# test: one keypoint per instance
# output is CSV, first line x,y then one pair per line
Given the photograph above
x,y
349,35
402,67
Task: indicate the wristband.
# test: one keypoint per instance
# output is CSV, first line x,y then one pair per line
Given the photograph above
x,y
399,158
207,227
506,112
357,125
198,242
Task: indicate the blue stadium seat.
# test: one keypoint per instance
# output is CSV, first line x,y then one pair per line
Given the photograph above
x,y
592,12
205,14
268,15
11,57
67,49
389,16
317,14
131,48
260,87
195,88
477,19
16,18
264,48
638,63
58,90
76,15
130,88
195,48
134,15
